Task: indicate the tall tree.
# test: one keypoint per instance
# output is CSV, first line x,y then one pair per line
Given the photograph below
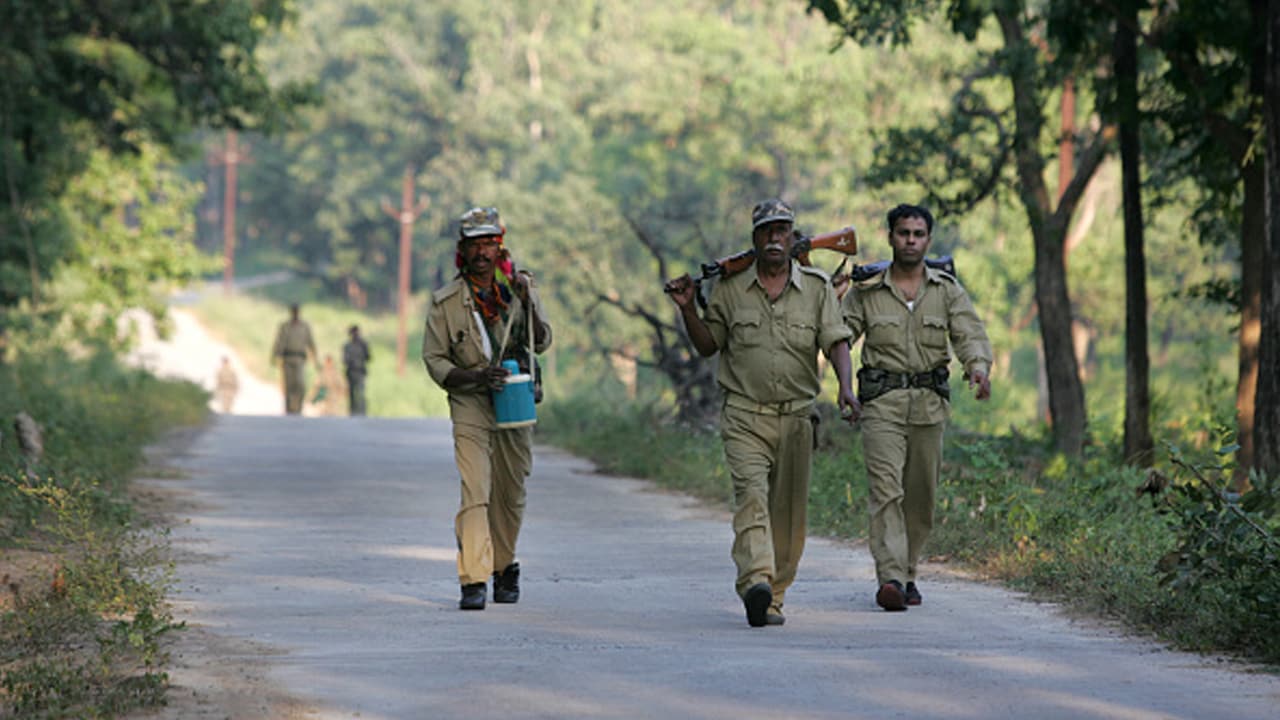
x,y
1211,109
78,78
1267,429
1015,134
1139,448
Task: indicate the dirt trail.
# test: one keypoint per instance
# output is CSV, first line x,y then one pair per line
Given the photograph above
x,y
192,353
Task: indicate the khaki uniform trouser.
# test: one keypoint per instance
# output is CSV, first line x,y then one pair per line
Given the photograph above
x,y
493,465
355,393
769,460
226,400
903,463
295,387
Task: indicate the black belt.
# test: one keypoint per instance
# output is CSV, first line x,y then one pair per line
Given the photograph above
x,y
874,382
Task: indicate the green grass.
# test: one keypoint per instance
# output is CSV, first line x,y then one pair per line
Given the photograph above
x,y
248,324
81,636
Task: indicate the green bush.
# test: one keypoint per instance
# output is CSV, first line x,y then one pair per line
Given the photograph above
x,y
85,642
1227,553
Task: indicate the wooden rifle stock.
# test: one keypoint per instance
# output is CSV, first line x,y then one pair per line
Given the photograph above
x,y
844,240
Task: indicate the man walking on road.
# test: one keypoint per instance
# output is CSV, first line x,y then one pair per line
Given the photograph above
x,y
908,313
293,343
475,322
769,323
355,360
226,386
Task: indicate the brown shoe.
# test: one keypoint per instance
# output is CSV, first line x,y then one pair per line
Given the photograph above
x,y
912,593
891,597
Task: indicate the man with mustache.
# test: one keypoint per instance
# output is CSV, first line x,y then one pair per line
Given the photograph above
x,y
769,323
908,313
462,347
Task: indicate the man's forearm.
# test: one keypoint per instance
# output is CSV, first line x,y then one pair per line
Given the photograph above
x,y
699,335
839,355
459,378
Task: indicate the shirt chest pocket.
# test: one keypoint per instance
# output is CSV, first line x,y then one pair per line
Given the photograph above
x,y
745,331
884,330
465,346
933,332
802,332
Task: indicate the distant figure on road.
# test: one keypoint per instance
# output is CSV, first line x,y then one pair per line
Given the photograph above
x,y
355,360
462,347
769,324
908,313
293,344
226,387
329,388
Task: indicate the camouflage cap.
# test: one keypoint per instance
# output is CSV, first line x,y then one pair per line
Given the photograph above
x,y
481,221
771,210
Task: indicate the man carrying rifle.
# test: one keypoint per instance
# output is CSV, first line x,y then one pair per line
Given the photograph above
x,y
769,323
908,312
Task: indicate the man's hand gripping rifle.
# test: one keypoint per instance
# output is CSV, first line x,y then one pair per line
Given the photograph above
x,y
844,241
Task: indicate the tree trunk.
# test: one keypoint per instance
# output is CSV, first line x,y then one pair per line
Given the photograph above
x,y
1267,419
1066,394
1253,252
1139,448
1048,232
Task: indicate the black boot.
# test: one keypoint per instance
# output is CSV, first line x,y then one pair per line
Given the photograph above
x,y
506,584
472,597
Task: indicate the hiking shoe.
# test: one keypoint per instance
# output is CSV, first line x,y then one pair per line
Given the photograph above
x,y
506,584
891,597
472,597
912,594
775,617
757,600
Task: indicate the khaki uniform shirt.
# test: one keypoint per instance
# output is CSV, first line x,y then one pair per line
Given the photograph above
x,y
293,340
902,339
455,338
769,350
227,379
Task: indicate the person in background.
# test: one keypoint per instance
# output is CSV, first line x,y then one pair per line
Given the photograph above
x,y
227,386
292,346
329,388
355,361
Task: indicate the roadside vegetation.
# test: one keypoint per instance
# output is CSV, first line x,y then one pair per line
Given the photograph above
x,y
82,607
1169,553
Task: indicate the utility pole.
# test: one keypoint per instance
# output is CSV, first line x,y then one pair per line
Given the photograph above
x,y
407,213
230,157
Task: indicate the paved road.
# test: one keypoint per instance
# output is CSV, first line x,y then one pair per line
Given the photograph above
x,y
330,541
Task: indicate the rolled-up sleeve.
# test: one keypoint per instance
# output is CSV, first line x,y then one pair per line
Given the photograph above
x,y
831,326
968,336
716,318
540,347
435,345
852,314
